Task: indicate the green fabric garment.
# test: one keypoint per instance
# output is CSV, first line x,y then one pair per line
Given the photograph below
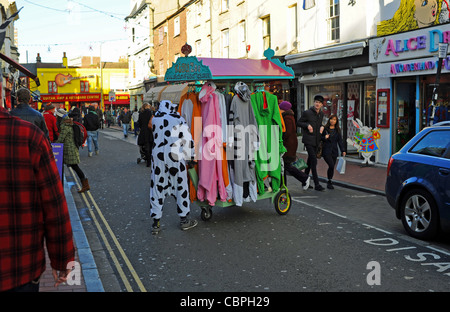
x,y
268,157
71,153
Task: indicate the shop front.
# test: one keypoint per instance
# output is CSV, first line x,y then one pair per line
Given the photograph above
x,y
343,76
68,100
407,66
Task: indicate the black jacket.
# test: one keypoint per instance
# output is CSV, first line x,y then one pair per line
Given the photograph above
x,y
330,145
27,113
125,117
91,122
311,117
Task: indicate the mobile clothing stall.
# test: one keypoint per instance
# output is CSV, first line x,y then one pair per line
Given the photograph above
x,y
237,130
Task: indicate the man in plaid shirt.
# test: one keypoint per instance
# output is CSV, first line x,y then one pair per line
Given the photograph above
x,y
33,208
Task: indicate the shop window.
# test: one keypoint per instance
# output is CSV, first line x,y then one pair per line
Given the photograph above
x,y
84,86
52,87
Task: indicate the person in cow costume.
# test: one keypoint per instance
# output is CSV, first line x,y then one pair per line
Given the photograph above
x,y
172,146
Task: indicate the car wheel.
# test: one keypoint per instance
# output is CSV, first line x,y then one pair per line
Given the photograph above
x,y
419,214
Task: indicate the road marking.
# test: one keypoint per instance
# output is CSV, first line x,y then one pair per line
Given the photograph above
x,y
107,245
317,207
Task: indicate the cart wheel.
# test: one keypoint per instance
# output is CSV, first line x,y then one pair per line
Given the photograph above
x,y
282,202
206,213
138,160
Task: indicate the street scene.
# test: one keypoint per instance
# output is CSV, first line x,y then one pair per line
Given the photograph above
x,y
225,154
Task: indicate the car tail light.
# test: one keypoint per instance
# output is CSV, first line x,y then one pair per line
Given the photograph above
x,y
391,160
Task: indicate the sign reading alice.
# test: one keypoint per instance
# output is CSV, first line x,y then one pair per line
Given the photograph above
x,y
188,68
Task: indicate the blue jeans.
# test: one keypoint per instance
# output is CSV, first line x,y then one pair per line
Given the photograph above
x,y
125,127
92,137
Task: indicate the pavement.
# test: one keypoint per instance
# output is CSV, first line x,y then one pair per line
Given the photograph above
x,y
364,178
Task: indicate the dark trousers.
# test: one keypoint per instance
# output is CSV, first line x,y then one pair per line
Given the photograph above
x,y
78,170
298,174
312,162
331,162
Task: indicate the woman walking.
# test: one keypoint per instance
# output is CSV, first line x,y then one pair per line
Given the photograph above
x,y
71,153
332,138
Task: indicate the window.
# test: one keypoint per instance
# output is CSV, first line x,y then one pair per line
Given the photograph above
x,y
266,32
225,43
207,5
198,13
176,26
435,143
242,39
225,5
198,48
333,21
161,67
84,86
52,87
161,34
292,29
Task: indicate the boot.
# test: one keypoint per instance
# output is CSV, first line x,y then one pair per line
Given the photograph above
x,y
84,186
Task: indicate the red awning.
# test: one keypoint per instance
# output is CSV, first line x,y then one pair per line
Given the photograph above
x,y
20,68
223,68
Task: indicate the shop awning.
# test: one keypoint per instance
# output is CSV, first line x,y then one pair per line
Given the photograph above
x,y
231,69
173,93
153,94
20,68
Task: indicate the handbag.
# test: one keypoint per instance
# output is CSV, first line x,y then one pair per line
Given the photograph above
x,y
300,164
319,150
341,165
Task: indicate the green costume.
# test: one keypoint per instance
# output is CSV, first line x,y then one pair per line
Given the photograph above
x,y
268,157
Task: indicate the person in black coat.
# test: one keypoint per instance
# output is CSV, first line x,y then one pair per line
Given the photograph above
x,y
332,138
311,124
145,138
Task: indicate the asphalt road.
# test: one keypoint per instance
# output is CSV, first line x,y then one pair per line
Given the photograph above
x,y
340,240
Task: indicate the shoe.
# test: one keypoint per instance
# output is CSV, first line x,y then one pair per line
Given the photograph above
x,y
90,154
188,224
156,227
306,186
319,188
96,152
330,185
84,186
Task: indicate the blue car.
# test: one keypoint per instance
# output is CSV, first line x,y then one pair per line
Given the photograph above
x,y
418,182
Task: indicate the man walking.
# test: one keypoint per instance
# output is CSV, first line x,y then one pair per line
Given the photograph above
x,y
50,121
125,118
33,208
26,112
311,123
92,123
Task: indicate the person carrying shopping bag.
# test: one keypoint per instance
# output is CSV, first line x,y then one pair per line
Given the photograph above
x,y
332,139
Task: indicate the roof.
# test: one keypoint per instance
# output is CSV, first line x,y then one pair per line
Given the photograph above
x,y
222,68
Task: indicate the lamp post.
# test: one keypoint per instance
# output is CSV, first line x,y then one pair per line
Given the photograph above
x,y
442,54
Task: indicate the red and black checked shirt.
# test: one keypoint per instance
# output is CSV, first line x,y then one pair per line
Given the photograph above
x,y
33,206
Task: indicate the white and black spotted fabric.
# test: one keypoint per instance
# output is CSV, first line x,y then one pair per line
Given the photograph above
x,y
172,145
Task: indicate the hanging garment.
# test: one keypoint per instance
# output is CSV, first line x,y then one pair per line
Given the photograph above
x,y
268,156
190,110
244,142
211,182
172,145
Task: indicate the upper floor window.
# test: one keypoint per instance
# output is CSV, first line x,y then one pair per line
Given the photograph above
x,y
176,26
266,32
333,21
225,5
52,87
242,39
225,43
84,86
198,13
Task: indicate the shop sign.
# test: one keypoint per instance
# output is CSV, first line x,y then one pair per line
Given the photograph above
x,y
89,97
414,44
413,67
188,68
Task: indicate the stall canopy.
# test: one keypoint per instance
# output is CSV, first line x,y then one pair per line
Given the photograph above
x,y
191,68
154,94
174,93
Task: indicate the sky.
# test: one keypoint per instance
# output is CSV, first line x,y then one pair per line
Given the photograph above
x,y
77,27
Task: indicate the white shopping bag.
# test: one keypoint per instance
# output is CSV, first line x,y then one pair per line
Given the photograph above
x,y
341,165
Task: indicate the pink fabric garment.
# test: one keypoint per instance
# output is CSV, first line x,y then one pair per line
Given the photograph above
x,y
211,180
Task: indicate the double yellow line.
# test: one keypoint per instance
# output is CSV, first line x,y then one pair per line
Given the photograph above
x,y
106,242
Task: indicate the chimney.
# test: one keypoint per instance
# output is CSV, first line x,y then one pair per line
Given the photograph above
x,y
38,58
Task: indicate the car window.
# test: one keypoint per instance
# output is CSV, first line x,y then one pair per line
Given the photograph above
x,y
434,143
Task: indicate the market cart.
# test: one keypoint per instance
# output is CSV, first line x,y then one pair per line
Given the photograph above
x,y
229,71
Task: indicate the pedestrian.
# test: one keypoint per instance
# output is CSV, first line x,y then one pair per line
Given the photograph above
x,y
92,124
109,117
33,209
145,137
50,121
71,155
75,114
290,142
311,124
332,139
24,111
125,119
172,141
99,112
135,118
